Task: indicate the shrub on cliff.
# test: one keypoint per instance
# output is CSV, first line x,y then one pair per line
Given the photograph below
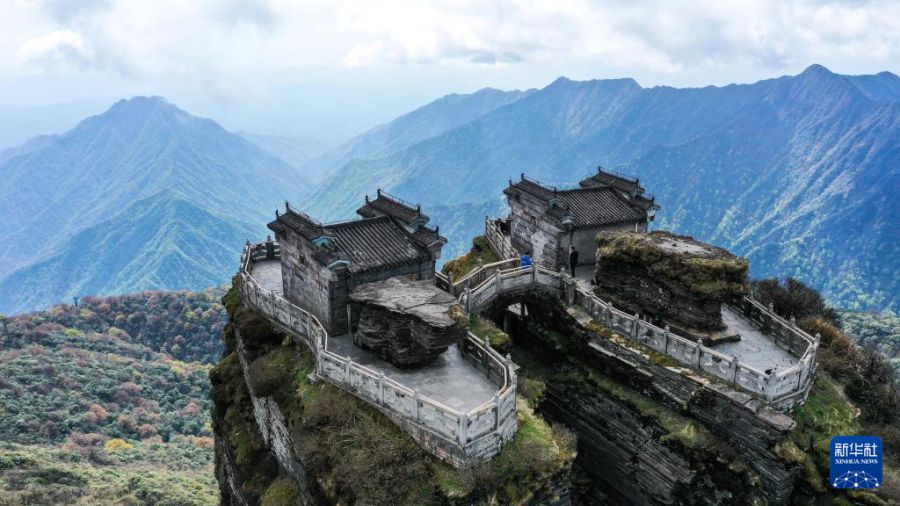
x,y
271,371
793,298
461,266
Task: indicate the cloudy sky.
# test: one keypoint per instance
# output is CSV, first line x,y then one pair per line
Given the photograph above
x,y
331,67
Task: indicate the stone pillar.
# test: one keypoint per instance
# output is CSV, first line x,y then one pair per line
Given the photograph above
x,y
270,248
347,370
696,358
770,384
534,273
509,367
496,411
381,389
463,428
497,281
415,400
732,370
634,327
468,300
486,360
570,292
666,341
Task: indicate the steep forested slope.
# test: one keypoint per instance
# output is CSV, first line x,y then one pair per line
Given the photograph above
x,y
106,402
105,178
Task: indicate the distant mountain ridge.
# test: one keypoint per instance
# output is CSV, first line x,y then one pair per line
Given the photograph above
x,y
423,123
143,196
787,171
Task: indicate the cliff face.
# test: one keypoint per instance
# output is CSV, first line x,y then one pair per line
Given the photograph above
x,y
647,434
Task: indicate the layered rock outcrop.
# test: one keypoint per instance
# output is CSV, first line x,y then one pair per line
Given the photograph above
x,y
409,323
671,279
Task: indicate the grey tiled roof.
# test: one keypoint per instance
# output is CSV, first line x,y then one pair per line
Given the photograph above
x,y
367,243
529,186
603,178
428,236
391,206
599,206
298,222
370,243
587,206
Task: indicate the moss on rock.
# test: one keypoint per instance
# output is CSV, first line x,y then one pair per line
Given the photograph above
x,y
701,268
481,251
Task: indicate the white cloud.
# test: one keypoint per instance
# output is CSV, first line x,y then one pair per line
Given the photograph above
x,y
59,48
232,46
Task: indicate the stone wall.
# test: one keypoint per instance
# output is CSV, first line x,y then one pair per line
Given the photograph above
x,y
531,231
306,282
585,242
324,292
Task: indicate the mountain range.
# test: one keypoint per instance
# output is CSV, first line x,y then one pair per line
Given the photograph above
x,y
143,196
798,173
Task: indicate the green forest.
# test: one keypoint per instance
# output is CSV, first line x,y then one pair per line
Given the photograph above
x,y
108,401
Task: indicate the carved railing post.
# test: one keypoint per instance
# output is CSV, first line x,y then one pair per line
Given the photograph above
x,y
534,273
635,326
496,411
463,426
696,358
497,280
347,370
732,369
415,400
381,389
771,383
666,341
468,293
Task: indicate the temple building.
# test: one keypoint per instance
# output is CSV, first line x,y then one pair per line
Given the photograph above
x,y
544,221
322,263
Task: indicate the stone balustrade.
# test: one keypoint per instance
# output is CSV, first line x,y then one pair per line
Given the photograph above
x,y
459,438
500,242
780,388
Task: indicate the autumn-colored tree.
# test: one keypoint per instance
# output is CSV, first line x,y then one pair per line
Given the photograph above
x,y
117,445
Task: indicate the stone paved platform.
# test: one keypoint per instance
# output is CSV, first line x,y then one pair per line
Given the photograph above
x,y
450,380
754,348
268,274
